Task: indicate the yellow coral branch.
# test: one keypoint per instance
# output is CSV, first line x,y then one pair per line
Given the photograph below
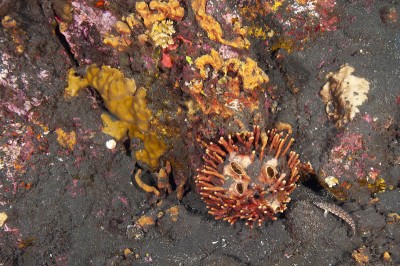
x,y
214,30
144,186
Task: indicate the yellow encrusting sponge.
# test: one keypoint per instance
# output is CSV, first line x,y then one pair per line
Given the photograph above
x,y
127,103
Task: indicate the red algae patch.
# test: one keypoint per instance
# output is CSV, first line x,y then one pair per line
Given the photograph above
x,y
248,176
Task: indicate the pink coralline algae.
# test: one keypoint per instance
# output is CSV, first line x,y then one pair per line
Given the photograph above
x,y
300,21
311,18
351,163
88,26
19,141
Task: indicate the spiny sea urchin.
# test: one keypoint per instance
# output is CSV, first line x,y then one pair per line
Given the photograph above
x,y
249,176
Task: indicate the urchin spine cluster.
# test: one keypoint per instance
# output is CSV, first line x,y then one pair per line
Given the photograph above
x,y
232,194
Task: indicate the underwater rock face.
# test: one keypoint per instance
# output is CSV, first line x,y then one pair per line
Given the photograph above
x,y
249,176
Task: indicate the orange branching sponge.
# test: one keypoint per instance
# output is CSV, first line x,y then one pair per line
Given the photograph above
x,y
163,185
213,59
251,75
214,30
248,176
158,10
144,186
224,94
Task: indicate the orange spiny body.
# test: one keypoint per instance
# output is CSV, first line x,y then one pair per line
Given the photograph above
x,y
248,176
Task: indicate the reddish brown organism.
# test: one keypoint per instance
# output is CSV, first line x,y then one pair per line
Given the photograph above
x,y
249,176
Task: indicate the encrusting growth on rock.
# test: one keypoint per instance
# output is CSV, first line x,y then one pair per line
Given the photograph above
x,y
248,176
220,92
343,94
214,30
161,33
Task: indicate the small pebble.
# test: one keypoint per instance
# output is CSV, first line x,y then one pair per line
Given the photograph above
x,y
111,144
3,218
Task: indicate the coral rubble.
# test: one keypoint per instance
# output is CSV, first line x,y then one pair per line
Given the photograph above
x,y
343,94
125,102
296,22
248,176
350,168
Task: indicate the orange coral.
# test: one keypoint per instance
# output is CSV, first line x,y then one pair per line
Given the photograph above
x,y
222,93
163,186
213,59
157,11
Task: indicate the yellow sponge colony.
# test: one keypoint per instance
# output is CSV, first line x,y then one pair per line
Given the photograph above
x,y
127,103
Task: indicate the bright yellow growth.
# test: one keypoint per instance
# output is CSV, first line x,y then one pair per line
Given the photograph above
x,y
158,10
258,32
214,30
125,102
144,186
277,4
16,33
161,33
118,42
145,220
67,140
131,21
173,213
232,93
122,28
3,218
252,76
213,59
